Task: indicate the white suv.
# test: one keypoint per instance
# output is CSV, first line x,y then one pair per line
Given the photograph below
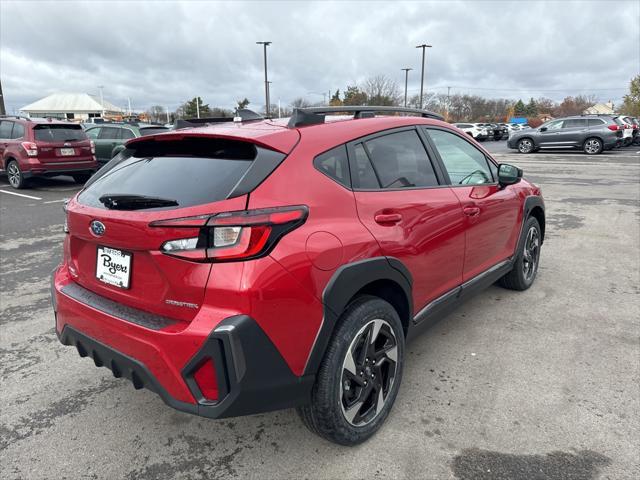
x,y
478,133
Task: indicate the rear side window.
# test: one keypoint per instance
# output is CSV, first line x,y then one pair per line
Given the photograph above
x,y
595,122
190,172
465,164
93,132
335,165
574,123
126,134
5,129
58,133
400,160
109,133
18,130
362,174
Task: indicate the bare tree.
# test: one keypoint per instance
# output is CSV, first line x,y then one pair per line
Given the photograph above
x,y
381,90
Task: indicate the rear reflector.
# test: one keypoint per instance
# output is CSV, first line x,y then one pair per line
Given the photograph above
x,y
205,377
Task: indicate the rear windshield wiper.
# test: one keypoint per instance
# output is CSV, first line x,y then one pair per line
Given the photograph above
x,y
119,201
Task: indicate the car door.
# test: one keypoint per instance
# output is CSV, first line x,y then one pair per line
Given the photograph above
x,y
491,212
108,139
402,202
573,132
6,127
548,133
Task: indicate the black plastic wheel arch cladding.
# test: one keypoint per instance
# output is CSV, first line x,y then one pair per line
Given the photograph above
x,y
345,283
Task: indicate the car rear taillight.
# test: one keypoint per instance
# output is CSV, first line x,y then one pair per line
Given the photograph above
x,y
206,379
93,147
232,236
613,127
31,148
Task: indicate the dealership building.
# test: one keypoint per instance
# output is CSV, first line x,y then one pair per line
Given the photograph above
x,y
71,106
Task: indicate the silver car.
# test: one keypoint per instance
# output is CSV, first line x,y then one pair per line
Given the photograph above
x,y
591,133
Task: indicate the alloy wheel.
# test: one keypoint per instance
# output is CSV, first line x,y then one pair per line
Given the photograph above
x,y
525,146
592,146
368,372
14,175
531,254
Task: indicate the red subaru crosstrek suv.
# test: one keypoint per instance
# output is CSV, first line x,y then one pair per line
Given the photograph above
x,y
31,147
255,265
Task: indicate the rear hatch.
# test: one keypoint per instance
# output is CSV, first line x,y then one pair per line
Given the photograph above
x,y
116,222
61,143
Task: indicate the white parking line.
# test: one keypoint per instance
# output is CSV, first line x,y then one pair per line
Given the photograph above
x,y
57,201
20,195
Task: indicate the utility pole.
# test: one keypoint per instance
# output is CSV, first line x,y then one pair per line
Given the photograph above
x,y
101,99
129,101
198,107
448,101
269,93
406,82
424,47
266,79
168,119
3,110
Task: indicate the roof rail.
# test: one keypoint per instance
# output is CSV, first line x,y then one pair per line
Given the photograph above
x,y
21,117
314,115
242,115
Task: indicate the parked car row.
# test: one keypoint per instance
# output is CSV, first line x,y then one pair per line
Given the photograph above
x,y
591,133
38,147
494,131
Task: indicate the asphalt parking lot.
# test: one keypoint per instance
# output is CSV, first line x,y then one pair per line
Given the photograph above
x,y
538,384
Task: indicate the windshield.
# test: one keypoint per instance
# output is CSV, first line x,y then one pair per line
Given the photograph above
x,y
59,133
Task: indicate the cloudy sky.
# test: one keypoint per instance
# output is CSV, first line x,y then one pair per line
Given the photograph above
x,y
163,53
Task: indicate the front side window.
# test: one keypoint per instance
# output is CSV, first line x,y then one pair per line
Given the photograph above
x,y
465,164
93,132
399,160
335,165
555,125
5,129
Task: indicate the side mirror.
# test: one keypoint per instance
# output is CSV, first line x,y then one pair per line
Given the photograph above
x,y
543,129
508,174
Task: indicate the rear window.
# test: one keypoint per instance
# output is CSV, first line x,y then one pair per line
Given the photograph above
x,y
153,130
191,172
59,133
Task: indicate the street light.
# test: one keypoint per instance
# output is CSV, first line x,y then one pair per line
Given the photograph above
x,y
266,80
424,47
406,81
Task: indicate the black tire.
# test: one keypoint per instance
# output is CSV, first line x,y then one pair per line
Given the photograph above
x,y
336,388
526,145
81,177
15,175
593,146
525,268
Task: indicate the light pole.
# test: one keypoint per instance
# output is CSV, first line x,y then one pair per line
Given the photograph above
x,y
266,80
406,81
101,99
269,93
424,47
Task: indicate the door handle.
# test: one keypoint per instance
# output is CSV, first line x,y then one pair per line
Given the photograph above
x,y
471,211
387,218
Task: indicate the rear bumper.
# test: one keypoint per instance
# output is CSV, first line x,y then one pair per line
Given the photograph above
x,y
251,374
34,167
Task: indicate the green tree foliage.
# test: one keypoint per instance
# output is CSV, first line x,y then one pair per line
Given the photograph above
x,y
631,104
519,108
335,99
243,103
353,96
532,108
190,108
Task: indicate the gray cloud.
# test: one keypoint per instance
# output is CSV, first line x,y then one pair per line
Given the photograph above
x,y
167,52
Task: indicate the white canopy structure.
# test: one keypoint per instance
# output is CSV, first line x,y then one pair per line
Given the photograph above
x,y
71,106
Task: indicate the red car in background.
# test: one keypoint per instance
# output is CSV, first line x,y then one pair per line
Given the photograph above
x,y
32,147
255,265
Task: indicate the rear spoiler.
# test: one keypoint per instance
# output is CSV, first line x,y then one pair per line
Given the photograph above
x,y
242,115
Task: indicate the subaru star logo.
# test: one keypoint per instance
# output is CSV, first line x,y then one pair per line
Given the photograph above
x,y
97,228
